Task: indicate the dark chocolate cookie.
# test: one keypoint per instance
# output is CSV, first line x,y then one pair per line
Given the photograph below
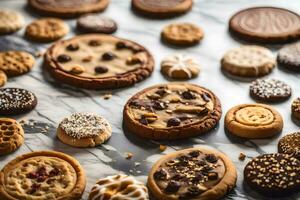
x,y
289,57
94,23
290,144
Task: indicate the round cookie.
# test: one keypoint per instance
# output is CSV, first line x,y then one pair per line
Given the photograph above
x,y
10,21
67,8
161,9
42,175
196,173
98,61
182,34
11,135
3,78
296,108
273,174
265,25
248,61
172,111
94,23
180,66
14,101
119,187
46,30
289,57
253,121
270,90
290,144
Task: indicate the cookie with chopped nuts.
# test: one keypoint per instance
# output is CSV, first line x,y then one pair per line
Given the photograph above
x,y
296,108
172,111
290,144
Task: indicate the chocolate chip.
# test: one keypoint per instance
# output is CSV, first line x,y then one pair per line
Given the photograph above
x,y
178,177
211,158
144,121
201,162
94,43
188,95
212,175
205,97
161,174
41,178
108,56
121,45
63,58
198,177
158,105
161,92
194,154
54,172
101,69
206,169
172,187
173,122
73,47
31,175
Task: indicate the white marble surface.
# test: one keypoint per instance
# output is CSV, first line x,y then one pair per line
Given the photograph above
x,y
55,101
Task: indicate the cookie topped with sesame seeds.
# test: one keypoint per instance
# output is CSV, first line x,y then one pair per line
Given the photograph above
x,y
290,144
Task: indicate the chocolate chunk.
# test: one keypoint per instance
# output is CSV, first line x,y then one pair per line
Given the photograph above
x,y
172,162
158,105
188,95
194,154
94,43
173,122
211,158
108,56
161,174
172,187
73,47
178,177
144,121
54,172
193,191
101,69
121,45
31,175
205,97
198,177
161,92
212,176
63,58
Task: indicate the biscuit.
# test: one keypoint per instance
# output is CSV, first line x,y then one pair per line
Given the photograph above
x,y
288,57
10,21
290,144
3,78
296,108
94,23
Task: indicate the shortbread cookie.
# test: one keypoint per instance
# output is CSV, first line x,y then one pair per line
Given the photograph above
x,y
14,101
289,57
248,61
42,175
15,63
273,174
296,108
99,62
68,8
172,111
11,135
180,66
265,25
94,23
196,173
253,121
10,21
84,130
183,34
3,78
290,144
121,187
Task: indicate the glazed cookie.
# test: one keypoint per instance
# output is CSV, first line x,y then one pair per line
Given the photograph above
x,y
296,108
265,25
121,187
172,111
94,23
10,21
180,67
197,173
42,175
289,57
98,62
273,174
253,121
14,101
11,135
290,144
248,61
84,130
3,78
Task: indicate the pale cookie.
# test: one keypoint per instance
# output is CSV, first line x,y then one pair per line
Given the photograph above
x,y
289,57
3,78
290,144
296,108
253,121
10,21
248,61
120,187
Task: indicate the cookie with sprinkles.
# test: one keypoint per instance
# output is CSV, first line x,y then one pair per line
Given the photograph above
x,y
273,174
290,144
14,101
296,108
84,130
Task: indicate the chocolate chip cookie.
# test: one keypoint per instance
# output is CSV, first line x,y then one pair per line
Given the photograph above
x,y
289,57
94,23
290,144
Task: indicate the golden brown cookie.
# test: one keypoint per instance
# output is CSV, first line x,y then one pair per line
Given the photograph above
x,y
42,175
10,21
290,144
296,108
253,121
196,173
3,78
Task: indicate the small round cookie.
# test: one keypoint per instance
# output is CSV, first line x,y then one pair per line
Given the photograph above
x,y
182,34
3,78
290,144
94,23
42,175
196,173
273,174
296,108
270,90
10,21
289,57
15,63
46,30
84,130
14,101
121,187
180,66
161,9
248,61
11,135
253,121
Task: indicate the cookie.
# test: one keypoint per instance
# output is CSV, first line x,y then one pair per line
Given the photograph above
x,y
265,25
14,101
11,135
84,130
161,9
196,173
10,21
94,23
253,121
289,57
42,175
296,108
119,187
248,61
270,90
182,34
15,63
3,78
67,8
99,61
273,174
172,111
290,144
46,30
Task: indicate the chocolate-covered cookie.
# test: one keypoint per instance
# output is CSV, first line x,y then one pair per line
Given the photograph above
x,y
289,57
290,144
94,23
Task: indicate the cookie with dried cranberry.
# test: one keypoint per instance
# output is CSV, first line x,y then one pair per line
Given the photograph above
x,y
172,111
290,144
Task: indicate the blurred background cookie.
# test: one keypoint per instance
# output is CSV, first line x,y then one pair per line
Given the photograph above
x,y
296,108
10,21
289,57
94,23
3,78
290,144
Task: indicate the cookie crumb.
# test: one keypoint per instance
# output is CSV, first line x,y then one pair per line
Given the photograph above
x,y
162,147
242,156
129,155
38,54
107,96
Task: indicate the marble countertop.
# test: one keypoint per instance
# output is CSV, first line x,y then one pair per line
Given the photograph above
x,y
55,101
